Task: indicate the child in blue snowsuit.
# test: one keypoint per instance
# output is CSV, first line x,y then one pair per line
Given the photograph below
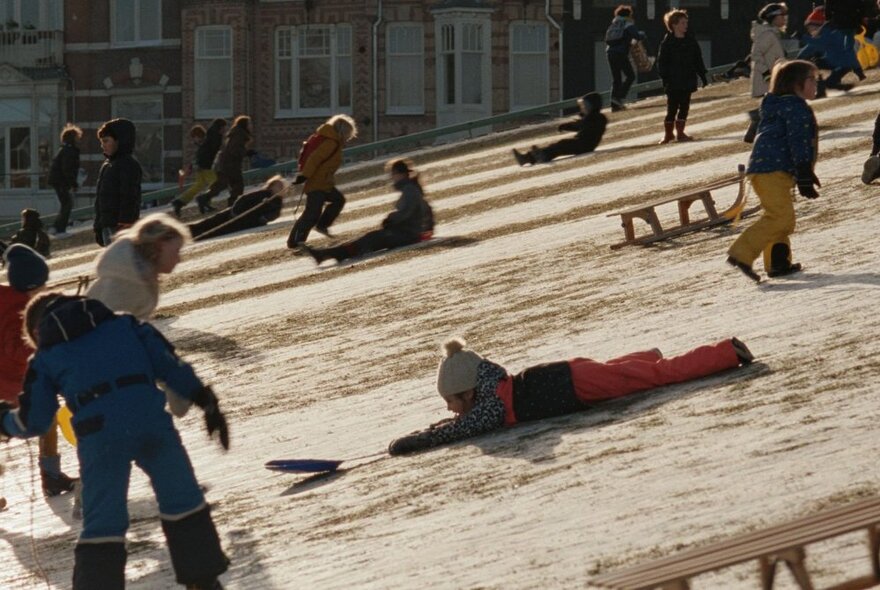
x,y
106,367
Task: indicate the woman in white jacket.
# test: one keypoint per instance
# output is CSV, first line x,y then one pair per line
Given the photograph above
x,y
767,49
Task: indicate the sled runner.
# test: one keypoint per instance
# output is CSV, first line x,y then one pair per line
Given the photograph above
x,y
647,213
783,543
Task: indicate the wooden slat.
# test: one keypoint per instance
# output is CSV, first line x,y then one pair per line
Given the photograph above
x,y
747,546
708,187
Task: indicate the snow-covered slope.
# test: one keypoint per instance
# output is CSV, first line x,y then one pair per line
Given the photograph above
x,y
334,362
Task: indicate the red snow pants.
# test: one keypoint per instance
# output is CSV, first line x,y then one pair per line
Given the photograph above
x,y
638,371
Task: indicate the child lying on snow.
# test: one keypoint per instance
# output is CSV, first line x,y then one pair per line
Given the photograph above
x,y
484,397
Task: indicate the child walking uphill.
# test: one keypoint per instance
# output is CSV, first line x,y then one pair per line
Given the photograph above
x,y
484,397
679,63
227,164
318,173
589,126
64,175
27,273
106,367
207,145
783,156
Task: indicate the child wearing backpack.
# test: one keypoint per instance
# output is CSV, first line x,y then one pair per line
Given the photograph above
x,y
106,366
319,160
484,397
619,37
783,157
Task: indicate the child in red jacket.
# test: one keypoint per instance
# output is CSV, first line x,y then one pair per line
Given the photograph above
x,y
484,397
27,272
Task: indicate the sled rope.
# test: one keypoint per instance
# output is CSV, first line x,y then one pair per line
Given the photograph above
x,y
33,498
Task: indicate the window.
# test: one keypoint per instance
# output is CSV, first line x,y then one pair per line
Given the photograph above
x,y
529,65
406,70
137,21
26,140
43,15
146,114
313,70
213,72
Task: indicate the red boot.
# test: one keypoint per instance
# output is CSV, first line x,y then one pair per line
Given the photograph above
x,y
667,125
679,130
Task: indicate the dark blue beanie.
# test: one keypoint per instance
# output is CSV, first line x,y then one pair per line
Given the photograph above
x,y
25,268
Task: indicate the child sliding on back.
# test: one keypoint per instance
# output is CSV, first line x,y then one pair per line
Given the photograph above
x,y
589,128
784,154
484,397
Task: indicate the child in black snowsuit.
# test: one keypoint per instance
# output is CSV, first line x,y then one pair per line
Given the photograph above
x,y
31,232
118,193
63,174
589,126
271,194
871,170
679,63
484,397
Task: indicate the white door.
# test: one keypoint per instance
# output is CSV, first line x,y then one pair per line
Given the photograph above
x,y
464,90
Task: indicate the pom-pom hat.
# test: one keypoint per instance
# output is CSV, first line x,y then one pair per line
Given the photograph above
x,y
25,268
458,369
816,18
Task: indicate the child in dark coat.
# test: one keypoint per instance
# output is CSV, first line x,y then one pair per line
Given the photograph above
x,y
106,366
31,232
783,157
411,221
118,193
484,397
271,194
680,64
27,273
207,144
589,128
63,174
228,163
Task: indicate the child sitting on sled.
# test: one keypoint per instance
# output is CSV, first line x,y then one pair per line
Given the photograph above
x,y
106,366
484,397
589,128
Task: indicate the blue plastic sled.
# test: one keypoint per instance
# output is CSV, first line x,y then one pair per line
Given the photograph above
x,y
303,465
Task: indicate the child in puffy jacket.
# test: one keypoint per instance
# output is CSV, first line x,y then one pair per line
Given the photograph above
x,y
106,367
484,397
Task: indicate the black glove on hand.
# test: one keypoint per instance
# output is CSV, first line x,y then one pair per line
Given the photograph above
x,y
805,181
405,445
214,418
299,179
704,80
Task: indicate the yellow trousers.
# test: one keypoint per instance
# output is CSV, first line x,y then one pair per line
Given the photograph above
x,y
204,179
49,441
776,223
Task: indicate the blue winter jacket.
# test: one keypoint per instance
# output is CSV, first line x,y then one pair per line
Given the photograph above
x,y
787,135
105,365
834,46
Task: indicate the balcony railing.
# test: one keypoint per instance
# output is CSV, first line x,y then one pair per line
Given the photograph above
x,y
32,48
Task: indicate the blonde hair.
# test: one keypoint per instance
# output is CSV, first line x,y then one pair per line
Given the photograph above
x,y
152,231
790,76
277,178
673,17
344,126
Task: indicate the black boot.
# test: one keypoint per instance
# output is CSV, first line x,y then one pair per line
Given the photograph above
x,y
99,565
743,353
204,203
523,158
780,261
195,549
55,484
746,269
754,119
538,155
177,204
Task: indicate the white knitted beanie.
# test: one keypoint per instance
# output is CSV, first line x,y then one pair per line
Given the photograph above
x,y
458,369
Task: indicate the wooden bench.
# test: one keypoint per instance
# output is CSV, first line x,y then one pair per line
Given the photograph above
x,y
647,213
783,543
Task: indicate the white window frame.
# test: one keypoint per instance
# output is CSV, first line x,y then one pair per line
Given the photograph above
x,y
293,60
198,79
46,10
137,41
543,81
459,20
389,70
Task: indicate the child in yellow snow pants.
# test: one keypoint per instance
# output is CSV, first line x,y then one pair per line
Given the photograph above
x,y
774,226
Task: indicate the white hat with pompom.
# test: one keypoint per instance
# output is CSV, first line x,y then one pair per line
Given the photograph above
x,y
458,369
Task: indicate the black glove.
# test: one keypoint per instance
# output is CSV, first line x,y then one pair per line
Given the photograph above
x,y
299,179
5,408
806,178
704,80
405,445
214,418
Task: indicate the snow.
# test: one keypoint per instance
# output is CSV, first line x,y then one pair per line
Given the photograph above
x,y
335,361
